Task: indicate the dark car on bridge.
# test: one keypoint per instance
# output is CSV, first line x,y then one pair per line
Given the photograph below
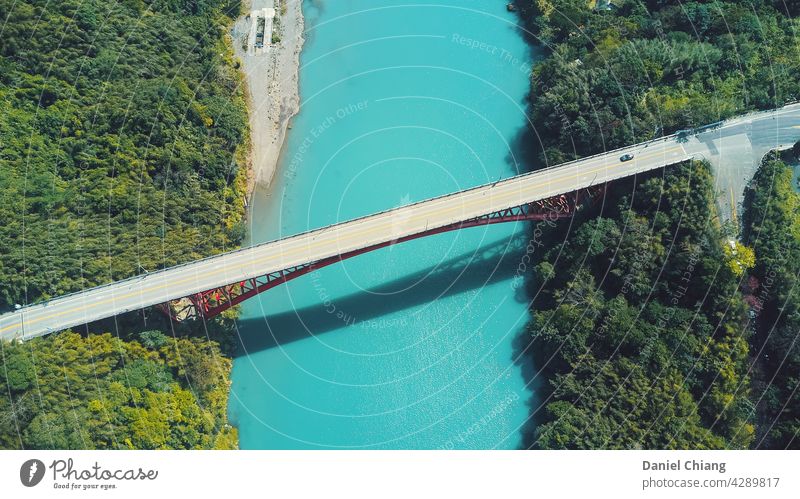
x,y
626,157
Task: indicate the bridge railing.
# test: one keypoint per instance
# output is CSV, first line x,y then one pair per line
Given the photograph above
x,y
320,229
144,276
751,114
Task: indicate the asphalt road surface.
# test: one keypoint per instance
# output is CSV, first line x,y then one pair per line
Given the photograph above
x,y
740,142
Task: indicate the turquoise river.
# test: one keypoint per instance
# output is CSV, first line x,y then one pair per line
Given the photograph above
x,y
412,346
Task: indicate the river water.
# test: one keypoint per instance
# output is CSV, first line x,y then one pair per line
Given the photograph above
x,y
410,346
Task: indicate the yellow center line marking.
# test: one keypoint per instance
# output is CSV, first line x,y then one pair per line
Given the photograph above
x,y
381,225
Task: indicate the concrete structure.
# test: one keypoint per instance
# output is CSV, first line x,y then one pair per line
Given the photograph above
x,y
266,14
750,136
269,17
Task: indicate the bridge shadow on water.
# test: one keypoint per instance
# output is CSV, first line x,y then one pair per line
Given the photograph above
x,y
490,264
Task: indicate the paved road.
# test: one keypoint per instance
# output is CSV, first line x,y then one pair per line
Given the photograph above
x,y
764,131
736,149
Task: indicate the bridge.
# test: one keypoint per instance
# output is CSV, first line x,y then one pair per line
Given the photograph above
x,y
208,286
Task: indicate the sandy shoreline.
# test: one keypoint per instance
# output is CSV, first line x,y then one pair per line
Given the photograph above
x,y
272,86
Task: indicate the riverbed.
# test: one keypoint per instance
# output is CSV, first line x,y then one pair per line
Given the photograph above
x,y
411,346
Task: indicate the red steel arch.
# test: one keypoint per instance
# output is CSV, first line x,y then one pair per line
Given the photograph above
x,y
210,303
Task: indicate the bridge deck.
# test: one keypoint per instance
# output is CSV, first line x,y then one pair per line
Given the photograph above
x,y
760,133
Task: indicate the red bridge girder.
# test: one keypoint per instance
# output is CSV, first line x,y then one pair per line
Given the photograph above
x,y
213,302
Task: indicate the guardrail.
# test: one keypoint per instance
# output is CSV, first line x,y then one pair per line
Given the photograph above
x,y
140,277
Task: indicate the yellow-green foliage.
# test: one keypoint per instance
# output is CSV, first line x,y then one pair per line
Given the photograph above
x,y
740,258
642,327
648,68
100,392
772,227
121,138
123,142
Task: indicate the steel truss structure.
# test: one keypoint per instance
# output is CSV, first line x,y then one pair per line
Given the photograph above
x,y
210,303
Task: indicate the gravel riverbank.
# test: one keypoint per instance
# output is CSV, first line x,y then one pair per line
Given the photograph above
x,y
272,83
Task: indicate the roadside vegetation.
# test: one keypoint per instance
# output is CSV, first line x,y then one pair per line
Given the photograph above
x,y
66,391
642,68
641,324
122,150
772,227
120,127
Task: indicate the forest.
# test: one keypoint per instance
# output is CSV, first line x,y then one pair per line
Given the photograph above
x,y
120,128
647,68
638,323
68,391
123,140
772,228
642,318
